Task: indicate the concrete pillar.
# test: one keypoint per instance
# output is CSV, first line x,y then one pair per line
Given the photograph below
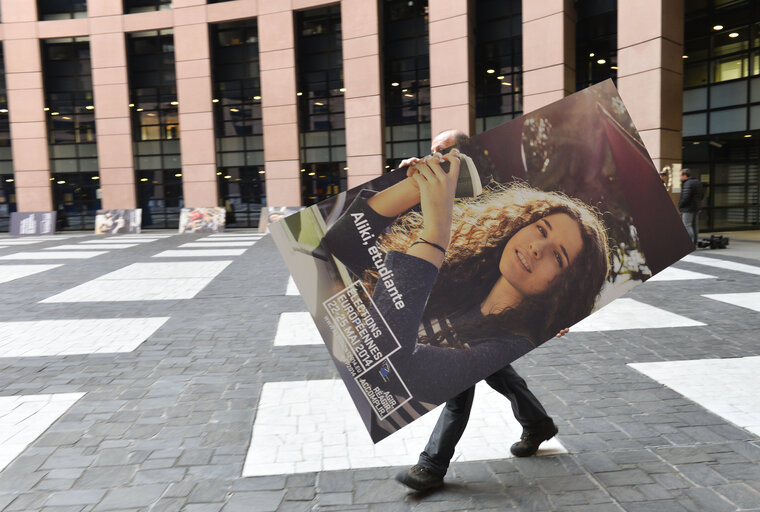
x,y
452,90
196,119
650,73
548,51
23,75
363,105
112,114
277,61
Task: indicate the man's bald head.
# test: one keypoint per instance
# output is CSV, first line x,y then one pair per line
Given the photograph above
x,y
446,139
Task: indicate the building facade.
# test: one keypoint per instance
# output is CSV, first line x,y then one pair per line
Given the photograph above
x,y
240,103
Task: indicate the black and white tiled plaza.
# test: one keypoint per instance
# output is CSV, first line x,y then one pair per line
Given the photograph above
x,y
165,372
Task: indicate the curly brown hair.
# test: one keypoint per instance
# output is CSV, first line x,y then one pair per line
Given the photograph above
x,y
480,230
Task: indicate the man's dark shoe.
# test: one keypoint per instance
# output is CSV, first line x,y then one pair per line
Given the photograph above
x,y
419,478
532,439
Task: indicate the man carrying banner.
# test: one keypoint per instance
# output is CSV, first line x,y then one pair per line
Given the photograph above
x,y
537,425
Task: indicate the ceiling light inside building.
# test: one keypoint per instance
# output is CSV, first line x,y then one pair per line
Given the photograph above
x,y
219,174
227,177
299,94
257,98
143,179
234,110
312,173
140,109
684,56
178,175
394,84
131,105
262,172
46,109
601,61
747,136
215,100
174,103
490,71
151,114
500,77
342,89
90,107
718,27
591,54
9,180
319,104
409,95
613,67
733,34
506,83
62,182
67,118
95,177
55,113
3,110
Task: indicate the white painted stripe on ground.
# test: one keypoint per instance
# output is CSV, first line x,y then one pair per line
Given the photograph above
x,y
308,426
630,314
146,281
23,242
111,241
11,272
291,289
216,245
728,265
677,274
23,418
53,255
744,300
214,241
80,247
726,387
195,253
45,338
296,329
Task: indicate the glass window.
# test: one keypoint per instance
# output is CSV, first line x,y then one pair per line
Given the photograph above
x,y
133,6
320,99
61,9
595,42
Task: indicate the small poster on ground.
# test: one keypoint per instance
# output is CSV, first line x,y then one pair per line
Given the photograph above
x,y
201,220
32,223
115,222
271,214
432,277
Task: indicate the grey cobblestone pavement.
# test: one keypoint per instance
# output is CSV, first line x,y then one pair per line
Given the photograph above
x,y
166,427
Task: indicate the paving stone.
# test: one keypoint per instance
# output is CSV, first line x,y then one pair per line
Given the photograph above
x,y
261,501
133,496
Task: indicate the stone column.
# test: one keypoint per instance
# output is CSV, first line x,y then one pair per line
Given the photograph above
x,y
196,120
23,75
110,88
363,96
277,60
548,51
452,89
650,73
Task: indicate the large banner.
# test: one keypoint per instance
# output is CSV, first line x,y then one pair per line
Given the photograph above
x,y
113,222
557,213
201,220
32,223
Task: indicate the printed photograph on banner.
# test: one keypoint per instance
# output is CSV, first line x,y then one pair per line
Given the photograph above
x,y
271,214
33,223
113,222
201,220
432,277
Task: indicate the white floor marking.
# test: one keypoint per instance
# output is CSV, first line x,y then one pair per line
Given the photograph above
x,y
630,314
146,281
292,289
215,245
43,338
195,253
744,300
23,242
214,241
307,426
236,235
23,418
111,241
79,247
296,329
53,255
677,274
728,265
726,387
11,272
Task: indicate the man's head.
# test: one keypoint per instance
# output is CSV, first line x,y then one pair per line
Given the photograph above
x,y
685,174
664,176
446,139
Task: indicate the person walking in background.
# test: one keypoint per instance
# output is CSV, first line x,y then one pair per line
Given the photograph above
x,y
692,193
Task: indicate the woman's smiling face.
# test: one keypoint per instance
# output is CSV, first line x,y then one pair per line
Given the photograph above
x,y
540,252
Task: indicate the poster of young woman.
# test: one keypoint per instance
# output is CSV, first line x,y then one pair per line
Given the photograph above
x,y
430,278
